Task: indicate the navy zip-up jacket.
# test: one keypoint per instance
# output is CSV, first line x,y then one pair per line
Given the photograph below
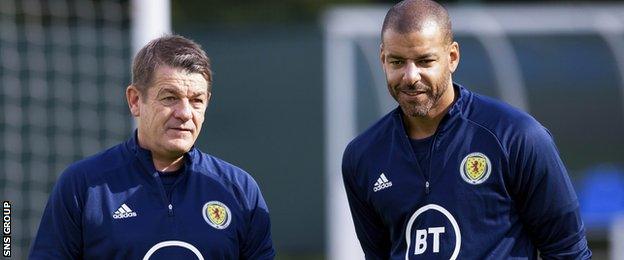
x,y
113,206
495,188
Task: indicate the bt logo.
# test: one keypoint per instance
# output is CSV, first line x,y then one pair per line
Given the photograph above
x,y
429,238
421,239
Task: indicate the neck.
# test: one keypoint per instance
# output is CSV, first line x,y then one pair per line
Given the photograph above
x,y
163,163
166,164
425,126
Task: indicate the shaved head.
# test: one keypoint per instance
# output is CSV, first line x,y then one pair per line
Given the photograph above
x,y
415,15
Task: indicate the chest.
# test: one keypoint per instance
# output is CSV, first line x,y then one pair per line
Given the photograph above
x,y
434,210
200,217
466,175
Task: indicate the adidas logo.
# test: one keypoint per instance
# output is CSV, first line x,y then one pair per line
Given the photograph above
x,y
382,183
124,212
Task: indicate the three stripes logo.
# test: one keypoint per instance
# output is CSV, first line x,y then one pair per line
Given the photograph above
x,y
382,183
124,212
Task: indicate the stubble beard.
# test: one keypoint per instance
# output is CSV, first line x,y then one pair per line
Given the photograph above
x,y
422,109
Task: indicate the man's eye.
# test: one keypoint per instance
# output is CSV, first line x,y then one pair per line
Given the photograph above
x,y
427,61
169,100
198,100
396,62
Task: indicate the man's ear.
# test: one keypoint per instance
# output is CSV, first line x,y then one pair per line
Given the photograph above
x,y
453,56
381,54
382,57
133,96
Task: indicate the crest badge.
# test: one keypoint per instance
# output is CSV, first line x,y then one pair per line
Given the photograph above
x,y
217,214
475,168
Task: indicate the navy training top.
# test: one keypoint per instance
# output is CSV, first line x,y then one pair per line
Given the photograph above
x,y
113,206
495,188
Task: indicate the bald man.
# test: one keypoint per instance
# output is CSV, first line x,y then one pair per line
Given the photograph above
x,y
451,174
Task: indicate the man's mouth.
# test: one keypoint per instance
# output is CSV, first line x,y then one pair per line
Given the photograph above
x,y
181,129
414,92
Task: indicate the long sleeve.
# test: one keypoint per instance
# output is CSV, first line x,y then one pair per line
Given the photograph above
x,y
258,243
374,237
60,231
544,195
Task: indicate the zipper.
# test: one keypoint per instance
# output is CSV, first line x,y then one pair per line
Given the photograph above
x,y
411,151
180,179
163,194
161,186
428,174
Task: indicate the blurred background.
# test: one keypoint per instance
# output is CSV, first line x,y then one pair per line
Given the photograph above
x,y
294,81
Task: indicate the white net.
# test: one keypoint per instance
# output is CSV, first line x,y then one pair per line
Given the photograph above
x,y
63,69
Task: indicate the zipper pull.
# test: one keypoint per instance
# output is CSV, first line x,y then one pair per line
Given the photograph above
x,y
170,207
427,187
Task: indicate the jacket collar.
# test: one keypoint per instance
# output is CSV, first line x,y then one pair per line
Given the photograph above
x,y
454,113
145,156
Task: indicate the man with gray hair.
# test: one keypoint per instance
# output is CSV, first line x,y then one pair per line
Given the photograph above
x,y
451,174
156,196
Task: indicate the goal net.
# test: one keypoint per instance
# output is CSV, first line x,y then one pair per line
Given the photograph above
x,y
63,70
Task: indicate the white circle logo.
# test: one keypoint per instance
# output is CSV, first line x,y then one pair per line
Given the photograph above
x,y
475,168
173,243
408,230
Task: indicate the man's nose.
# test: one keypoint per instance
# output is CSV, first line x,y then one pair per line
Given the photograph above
x,y
412,73
183,110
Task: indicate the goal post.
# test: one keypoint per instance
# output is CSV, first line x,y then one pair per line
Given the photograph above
x,y
150,19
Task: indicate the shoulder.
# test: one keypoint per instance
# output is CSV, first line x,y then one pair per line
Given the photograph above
x,y
507,123
373,136
495,114
217,168
230,176
106,161
74,181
